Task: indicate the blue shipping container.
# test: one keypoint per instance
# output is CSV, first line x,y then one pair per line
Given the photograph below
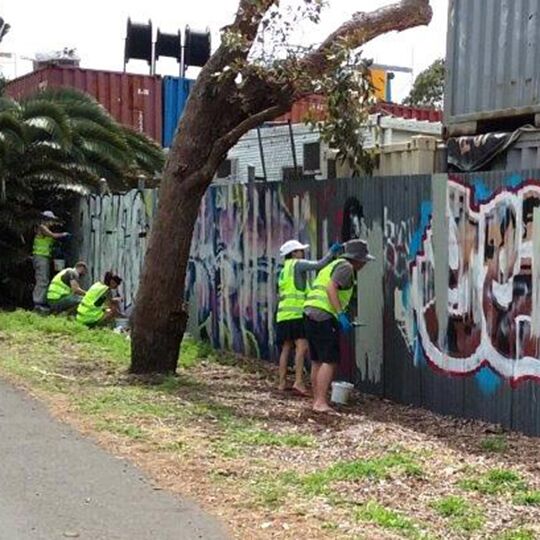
x,y
175,95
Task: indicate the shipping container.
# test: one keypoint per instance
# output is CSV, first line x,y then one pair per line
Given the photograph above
x,y
133,100
427,114
314,104
175,95
492,64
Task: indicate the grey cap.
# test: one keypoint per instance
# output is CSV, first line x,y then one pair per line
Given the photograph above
x,y
357,250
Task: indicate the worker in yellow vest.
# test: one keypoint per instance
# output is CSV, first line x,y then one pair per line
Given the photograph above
x,y
293,286
99,305
325,316
42,253
64,292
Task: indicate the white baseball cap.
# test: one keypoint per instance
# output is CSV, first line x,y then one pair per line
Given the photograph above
x,y
49,215
290,246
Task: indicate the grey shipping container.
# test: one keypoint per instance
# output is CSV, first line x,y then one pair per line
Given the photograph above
x,y
492,64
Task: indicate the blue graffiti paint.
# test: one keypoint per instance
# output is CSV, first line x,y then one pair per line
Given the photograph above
x,y
415,246
514,181
481,192
488,381
405,295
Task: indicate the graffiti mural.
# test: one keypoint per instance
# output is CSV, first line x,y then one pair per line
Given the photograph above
x,y
111,234
492,311
233,267
450,307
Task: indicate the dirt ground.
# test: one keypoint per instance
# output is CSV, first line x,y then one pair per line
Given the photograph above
x,y
223,435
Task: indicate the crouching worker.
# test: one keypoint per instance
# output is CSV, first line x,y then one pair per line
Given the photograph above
x,y
293,285
325,316
64,292
99,306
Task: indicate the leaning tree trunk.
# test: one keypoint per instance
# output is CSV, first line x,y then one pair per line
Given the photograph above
x,y
160,325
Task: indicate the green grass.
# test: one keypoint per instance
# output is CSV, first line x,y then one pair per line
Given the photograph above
x,y
260,437
319,482
386,518
462,515
495,482
517,534
528,498
495,444
103,342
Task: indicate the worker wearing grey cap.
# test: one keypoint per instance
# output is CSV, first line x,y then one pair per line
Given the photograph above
x,y
325,316
41,257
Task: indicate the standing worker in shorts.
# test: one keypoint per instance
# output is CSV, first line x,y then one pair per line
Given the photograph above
x,y
325,316
293,285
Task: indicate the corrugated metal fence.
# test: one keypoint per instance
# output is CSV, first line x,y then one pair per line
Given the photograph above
x,y
452,303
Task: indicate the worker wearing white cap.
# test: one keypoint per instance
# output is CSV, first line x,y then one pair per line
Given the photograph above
x,y
42,255
290,317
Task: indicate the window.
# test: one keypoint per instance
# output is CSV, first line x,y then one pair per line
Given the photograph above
x,y
225,169
312,156
251,173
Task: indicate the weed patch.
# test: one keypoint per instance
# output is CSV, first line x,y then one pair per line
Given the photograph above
x,y
462,515
318,483
495,482
528,498
495,444
517,534
373,512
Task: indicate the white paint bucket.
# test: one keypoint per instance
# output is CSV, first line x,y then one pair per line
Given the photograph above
x,y
341,392
121,323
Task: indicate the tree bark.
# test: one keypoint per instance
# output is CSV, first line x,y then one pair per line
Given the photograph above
x,y
217,114
160,319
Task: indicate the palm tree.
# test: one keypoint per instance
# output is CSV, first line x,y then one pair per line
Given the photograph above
x,y
55,142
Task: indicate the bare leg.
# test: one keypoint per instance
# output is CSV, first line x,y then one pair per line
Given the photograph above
x,y
325,376
283,364
301,346
315,367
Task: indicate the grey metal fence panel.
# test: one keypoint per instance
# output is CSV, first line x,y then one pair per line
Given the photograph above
x,y
404,217
452,302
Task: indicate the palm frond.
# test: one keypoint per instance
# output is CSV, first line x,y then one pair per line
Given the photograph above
x,y
148,155
43,116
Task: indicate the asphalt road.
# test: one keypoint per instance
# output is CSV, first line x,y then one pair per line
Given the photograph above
x,y
55,484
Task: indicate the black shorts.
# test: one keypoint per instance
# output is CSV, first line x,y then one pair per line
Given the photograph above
x,y
323,339
290,331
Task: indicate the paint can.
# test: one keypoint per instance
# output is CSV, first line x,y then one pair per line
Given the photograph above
x,y
341,392
121,324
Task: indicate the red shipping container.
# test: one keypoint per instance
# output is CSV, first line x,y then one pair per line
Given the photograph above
x,y
317,104
133,100
297,115
428,114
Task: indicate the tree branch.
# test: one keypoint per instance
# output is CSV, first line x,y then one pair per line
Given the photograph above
x,y
249,15
364,27
222,145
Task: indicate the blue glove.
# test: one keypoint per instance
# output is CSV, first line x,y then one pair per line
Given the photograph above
x,y
336,248
66,236
344,323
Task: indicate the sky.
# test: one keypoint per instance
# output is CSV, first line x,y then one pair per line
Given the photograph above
x,y
97,30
